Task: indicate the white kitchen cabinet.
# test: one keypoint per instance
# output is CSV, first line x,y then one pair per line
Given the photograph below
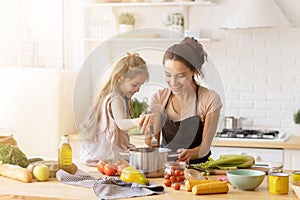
x,y
100,20
292,159
36,106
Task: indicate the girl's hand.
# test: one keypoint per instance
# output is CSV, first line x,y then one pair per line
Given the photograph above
x,y
144,122
184,155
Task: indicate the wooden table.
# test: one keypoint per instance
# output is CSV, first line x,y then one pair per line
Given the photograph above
x,y
53,190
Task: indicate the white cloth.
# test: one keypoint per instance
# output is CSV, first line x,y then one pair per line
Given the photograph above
x,y
109,141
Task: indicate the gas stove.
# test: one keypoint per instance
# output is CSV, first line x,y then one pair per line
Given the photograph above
x,y
248,134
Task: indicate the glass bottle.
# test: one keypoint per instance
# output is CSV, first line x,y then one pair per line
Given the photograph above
x,y
65,154
28,51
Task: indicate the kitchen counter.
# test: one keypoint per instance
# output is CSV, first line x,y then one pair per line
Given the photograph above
x,y
52,189
291,143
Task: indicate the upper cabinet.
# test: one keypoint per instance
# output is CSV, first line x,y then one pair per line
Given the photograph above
x,y
101,21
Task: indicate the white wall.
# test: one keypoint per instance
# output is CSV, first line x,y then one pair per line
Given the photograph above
x,y
260,68
43,18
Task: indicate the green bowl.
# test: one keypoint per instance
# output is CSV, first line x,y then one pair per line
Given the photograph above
x,y
246,179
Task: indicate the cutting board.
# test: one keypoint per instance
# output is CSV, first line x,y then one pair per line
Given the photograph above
x,y
296,190
223,172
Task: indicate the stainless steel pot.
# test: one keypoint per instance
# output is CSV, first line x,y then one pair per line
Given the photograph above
x,y
150,160
231,122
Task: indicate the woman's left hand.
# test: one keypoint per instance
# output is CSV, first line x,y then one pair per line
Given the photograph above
x,y
184,155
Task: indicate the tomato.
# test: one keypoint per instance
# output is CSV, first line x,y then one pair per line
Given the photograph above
x,y
121,167
167,176
109,169
177,172
168,182
178,179
182,178
176,186
100,166
173,179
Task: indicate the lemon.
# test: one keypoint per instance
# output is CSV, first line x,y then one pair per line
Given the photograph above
x,y
41,172
131,174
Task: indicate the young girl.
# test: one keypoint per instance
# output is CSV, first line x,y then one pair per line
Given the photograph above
x,y
104,133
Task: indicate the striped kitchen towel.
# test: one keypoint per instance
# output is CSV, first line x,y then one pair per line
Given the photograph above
x,y
108,187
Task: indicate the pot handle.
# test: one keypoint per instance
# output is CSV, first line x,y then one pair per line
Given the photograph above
x,y
173,155
124,153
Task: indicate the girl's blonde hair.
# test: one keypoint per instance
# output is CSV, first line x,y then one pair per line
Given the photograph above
x,y
127,67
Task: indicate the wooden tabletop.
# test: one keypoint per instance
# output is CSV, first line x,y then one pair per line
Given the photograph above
x,y
52,189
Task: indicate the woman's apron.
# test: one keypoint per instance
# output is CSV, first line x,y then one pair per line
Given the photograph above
x,y
185,134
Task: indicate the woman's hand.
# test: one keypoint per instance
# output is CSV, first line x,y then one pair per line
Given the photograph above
x,y
185,155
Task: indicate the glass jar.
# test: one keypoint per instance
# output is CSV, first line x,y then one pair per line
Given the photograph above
x,y
275,167
175,171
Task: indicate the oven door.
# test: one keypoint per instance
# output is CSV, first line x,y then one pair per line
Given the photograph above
x,y
262,156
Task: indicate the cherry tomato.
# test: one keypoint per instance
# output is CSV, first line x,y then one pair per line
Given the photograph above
x,y
100,166
173,179
110,169
120,168
182,178
182,173
177,172
168,182
178,179
167,176
176,186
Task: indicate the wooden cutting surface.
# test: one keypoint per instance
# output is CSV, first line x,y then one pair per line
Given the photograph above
x,y
296,190
54,190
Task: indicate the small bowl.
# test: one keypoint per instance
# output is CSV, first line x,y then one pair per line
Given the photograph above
x,y
246,179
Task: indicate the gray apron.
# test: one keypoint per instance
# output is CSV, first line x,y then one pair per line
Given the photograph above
x,y
185,134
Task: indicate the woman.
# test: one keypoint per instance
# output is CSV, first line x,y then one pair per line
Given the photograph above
x,y
186,113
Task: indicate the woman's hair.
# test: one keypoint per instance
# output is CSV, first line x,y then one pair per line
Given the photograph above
x,y
127,67
190,52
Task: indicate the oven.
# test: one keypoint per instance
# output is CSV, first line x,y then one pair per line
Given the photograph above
x,y
262,156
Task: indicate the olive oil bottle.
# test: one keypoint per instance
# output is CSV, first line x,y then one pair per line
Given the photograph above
x,y
65,154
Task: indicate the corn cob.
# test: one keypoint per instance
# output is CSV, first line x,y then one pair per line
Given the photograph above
x,y
189,184
211,188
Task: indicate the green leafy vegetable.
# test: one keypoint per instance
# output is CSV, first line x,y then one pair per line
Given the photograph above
x,y
12,155
228,161
138,107
297,117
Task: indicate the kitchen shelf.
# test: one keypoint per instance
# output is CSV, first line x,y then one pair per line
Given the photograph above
x,y
154,4
146,39
91,39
